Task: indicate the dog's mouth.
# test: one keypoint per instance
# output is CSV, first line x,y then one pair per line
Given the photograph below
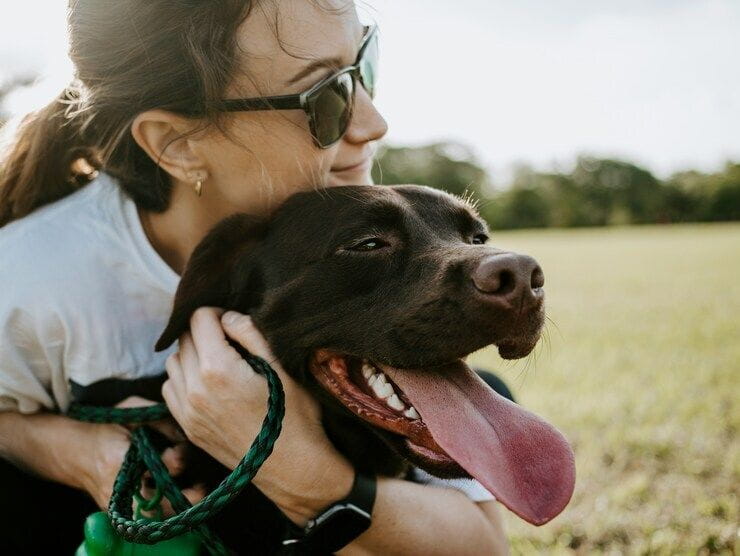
x,y
448,420
363,388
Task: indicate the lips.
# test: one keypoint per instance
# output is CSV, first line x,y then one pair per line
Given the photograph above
x,y
523,461
367,392
361,165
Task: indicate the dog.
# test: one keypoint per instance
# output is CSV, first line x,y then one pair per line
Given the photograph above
x,y
371,297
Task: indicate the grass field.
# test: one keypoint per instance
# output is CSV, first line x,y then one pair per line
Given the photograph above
x,y
642,374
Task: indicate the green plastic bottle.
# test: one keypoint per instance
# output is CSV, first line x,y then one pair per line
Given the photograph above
x,y
102,540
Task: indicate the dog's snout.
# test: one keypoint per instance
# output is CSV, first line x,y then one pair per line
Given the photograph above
x,y
508,276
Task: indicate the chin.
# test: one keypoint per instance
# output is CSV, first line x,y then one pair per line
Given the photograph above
x,y
336,179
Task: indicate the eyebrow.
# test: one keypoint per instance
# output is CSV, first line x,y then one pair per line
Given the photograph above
x,y
333,63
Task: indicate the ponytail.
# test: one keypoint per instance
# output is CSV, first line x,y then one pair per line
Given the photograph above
x,y
182,57
48,159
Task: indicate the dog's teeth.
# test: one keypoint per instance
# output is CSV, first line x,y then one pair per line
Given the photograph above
x,y
382,389
395,402
411,413
372,380
382,379
367,371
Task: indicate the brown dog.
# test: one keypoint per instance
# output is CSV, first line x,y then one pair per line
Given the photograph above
x,y
371,297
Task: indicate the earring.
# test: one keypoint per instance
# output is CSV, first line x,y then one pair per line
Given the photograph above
x,y
199,187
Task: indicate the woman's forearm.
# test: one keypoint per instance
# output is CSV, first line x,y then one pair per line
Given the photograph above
x,y
52,446
41,443
410,518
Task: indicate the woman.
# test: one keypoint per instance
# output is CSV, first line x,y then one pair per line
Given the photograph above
x,y
90,271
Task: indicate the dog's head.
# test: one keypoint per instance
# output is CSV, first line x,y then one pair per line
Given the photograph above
x,y
371,297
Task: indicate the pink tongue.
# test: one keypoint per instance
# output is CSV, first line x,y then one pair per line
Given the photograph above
x,y
524,462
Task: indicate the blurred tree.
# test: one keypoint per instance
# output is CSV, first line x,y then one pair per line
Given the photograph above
x,y
449,166
619,192
683,200
519,207
724,195
597,192
694,196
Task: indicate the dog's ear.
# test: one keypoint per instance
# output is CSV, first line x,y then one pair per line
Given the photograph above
x,y
218,273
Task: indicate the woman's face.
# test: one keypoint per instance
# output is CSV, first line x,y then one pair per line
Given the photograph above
x,y
271,153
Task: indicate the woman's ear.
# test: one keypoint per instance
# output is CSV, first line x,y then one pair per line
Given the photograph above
x,y
221,272
167,138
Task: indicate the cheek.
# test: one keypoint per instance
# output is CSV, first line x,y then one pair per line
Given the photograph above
x,y
273,151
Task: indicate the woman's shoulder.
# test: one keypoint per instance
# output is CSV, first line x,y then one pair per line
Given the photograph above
x,y
62,246
62,220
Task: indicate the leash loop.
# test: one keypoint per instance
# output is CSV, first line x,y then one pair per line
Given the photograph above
x,y
142,455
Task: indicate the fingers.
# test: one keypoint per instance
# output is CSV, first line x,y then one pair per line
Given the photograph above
x,y
195,493
135,401
173,398
175,379
174,459
187,358
170,429
207,334
242,329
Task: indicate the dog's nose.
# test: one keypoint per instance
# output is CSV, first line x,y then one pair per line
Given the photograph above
x,y
509,276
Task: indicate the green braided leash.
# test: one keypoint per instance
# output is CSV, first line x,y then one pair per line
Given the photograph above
x,y
142,456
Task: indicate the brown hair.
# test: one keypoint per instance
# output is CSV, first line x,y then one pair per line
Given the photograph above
x,y
130,56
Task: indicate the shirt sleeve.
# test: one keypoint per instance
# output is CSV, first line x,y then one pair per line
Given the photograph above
x,y
470,487
25,377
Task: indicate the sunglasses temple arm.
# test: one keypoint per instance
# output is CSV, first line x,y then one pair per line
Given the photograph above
x,y
283,102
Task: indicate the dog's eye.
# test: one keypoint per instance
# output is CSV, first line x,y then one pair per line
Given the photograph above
x,y
370,244
480,239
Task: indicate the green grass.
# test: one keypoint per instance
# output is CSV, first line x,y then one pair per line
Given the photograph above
x,y
640,369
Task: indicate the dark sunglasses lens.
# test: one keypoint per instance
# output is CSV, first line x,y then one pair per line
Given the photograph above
x,y
369,66
331,108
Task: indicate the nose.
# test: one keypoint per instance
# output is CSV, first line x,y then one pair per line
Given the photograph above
x,y
509,277
366,124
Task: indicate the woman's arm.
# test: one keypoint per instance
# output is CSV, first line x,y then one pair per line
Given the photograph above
x,y
80,455
86,456
410,518
220,402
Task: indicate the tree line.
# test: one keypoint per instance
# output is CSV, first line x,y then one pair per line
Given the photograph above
x,y
596,192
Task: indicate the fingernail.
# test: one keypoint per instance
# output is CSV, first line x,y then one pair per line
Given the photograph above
x,y
230,317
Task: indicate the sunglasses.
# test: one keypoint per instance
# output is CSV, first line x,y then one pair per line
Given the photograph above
x,y
330,102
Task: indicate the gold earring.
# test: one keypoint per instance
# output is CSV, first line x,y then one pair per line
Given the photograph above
x,y
199,187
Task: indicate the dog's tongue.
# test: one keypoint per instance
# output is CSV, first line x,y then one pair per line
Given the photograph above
x,y
524,462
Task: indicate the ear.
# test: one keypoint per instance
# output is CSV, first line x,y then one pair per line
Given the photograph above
x,y
219,273
168,139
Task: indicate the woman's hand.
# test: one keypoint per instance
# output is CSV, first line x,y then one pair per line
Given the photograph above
x,y
220,402
109,444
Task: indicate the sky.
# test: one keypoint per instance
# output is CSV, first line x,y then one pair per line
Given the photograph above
x,y
534,82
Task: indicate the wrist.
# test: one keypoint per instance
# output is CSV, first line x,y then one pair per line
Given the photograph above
x,y
305,488
339,524
95,456
81,459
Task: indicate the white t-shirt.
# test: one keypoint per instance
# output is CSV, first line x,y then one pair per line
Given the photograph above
x,y
84,297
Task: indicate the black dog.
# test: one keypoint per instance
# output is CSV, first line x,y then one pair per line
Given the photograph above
x,y
371,297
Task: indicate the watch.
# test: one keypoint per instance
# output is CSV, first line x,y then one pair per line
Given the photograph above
x,y
337,525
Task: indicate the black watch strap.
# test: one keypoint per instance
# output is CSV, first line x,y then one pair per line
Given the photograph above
x,y
337,525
